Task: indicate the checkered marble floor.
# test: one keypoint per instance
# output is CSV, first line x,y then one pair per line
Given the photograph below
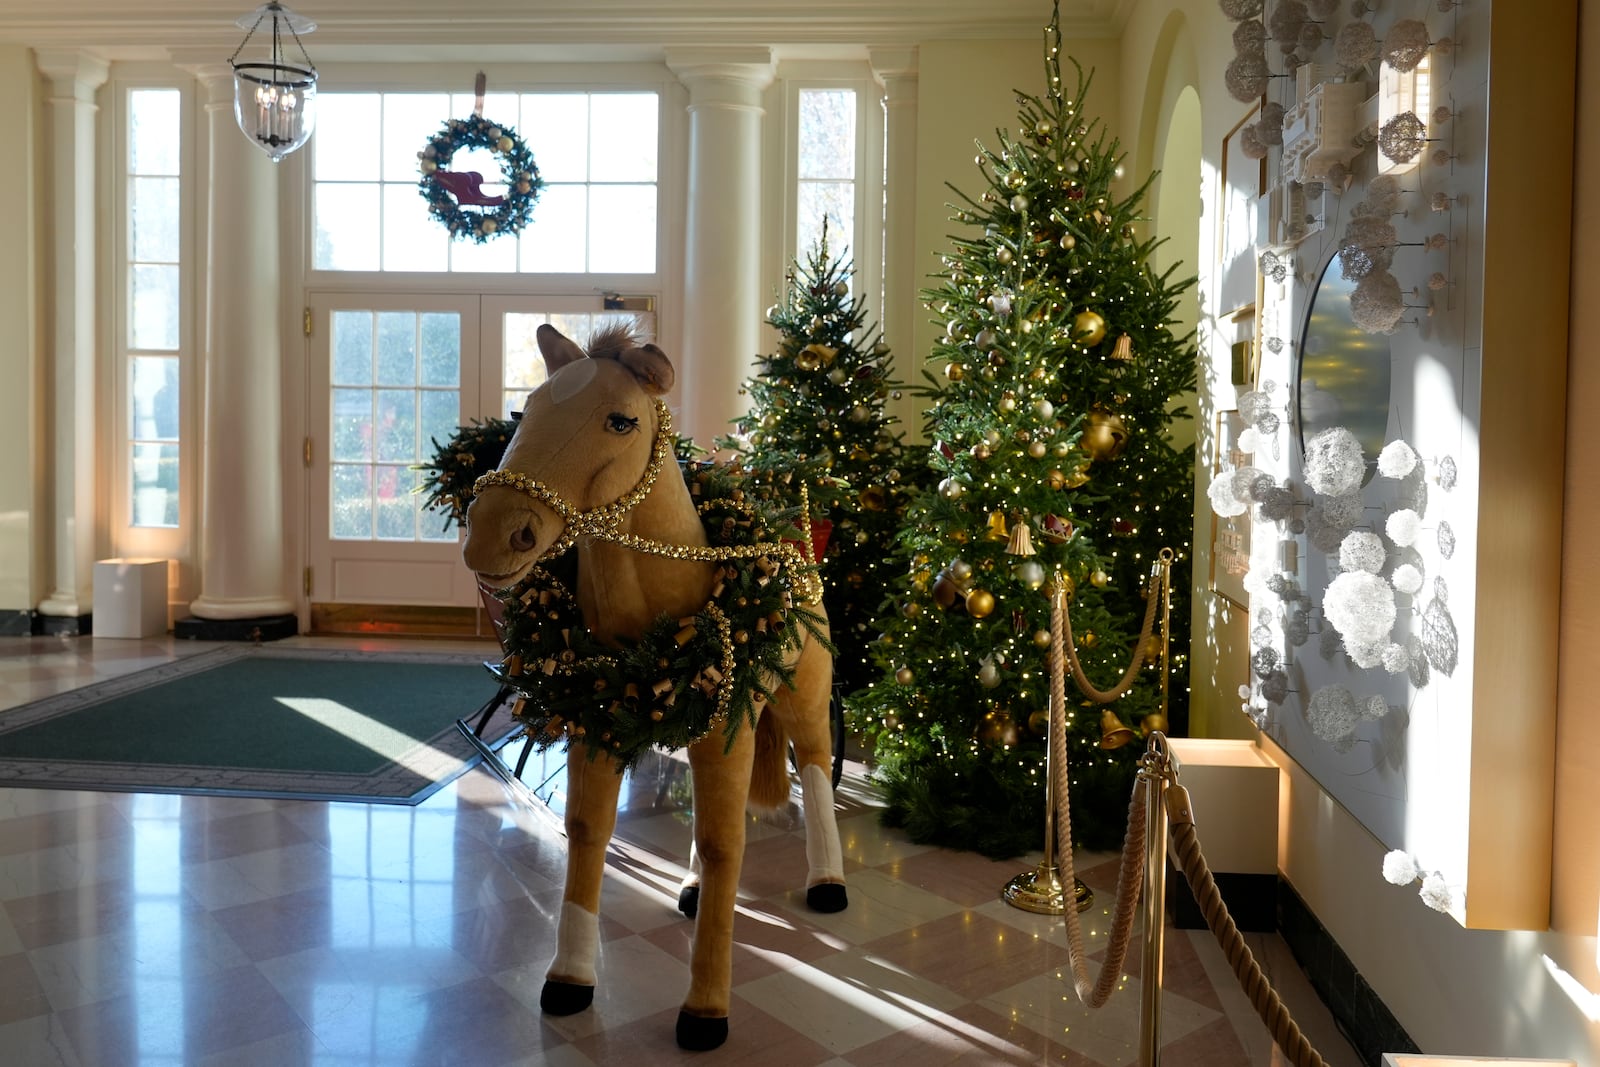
x,y
148,929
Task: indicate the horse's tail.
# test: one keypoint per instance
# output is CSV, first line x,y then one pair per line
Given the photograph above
x,y
769,777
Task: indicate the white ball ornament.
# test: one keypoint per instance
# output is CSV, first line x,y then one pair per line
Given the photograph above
x,y
1402,527
1334,465
1397,460
1044,409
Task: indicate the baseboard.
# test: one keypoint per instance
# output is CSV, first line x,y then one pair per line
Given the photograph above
x,y
400,620
16,623
63,625
263,628
1364,1018
1252,900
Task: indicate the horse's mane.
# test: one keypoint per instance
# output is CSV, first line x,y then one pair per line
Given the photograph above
x,y
614,338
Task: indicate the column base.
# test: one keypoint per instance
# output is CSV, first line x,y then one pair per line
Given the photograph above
x,y
63,625
260,628
16,624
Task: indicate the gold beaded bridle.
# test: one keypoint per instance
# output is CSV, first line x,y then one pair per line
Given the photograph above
x,y
603,522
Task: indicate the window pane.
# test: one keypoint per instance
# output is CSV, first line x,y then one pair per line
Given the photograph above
x,y
497,107
827,133
395,515
554,240
556,128
154,123
622,229
412,240
441,414
409,119
395,437
497,255
153,384
524,366
346,227
352,425
153,219
351,489
836,201
352,347
154,306
397,348
441,348
154,482
345,148
624,137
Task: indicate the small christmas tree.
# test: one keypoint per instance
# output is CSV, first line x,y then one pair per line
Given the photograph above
x,y
817,420
1059,381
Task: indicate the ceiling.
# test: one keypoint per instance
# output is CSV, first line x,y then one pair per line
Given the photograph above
x,y
543,30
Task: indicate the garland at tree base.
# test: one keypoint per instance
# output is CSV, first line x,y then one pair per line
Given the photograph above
x,y
953,805
684,677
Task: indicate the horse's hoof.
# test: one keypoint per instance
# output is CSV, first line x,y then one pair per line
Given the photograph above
x,y
827,897
699,1034
689,900
564,998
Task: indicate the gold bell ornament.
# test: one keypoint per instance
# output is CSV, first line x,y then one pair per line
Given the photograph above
x,y
1114,733
1104,435
997,527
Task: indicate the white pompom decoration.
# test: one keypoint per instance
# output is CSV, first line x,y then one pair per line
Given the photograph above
x,y
1334,465
1365,656
1396,660
1435,894
1362,551
1399,868
1402,527
1249,440
1375,707
1397,460
1407,579
1223,500
1361,607
1332,714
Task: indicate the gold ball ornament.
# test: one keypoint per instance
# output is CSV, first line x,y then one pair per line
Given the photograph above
x,y
1039,722
504,144
955,371
905,676
1068,242
1029,573
997,727
428,166
1038,449
960,570
1055,480
1104,436
1088,328
1099,579
489,225
1041,638
980,603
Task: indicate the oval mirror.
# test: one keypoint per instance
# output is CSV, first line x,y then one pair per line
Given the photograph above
x,y
1342,372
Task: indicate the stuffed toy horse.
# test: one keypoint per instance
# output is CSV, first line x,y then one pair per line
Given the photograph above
x,y
581,471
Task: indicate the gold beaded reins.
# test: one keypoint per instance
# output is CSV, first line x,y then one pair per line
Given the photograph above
x,y
603,522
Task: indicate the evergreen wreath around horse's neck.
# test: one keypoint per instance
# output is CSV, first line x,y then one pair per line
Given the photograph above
x,y
449,193
685,677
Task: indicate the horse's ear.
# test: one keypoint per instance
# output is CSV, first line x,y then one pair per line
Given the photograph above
x,y
556,348
651,366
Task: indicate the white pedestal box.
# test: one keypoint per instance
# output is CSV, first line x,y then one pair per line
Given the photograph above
x,y
1234,789
130,598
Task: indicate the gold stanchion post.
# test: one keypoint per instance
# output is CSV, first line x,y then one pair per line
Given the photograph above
x,y
1156,767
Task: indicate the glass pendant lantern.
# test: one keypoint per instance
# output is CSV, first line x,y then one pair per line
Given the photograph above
x,y
274,100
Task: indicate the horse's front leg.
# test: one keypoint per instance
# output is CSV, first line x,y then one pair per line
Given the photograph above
x,y
592,788
721,787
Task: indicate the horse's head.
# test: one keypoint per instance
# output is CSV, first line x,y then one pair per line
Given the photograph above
x,y
587,439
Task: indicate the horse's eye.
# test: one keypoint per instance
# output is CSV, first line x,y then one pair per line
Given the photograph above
x,y
618,423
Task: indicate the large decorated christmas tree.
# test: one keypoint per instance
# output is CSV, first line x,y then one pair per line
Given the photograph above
x,y
1057,380
817,420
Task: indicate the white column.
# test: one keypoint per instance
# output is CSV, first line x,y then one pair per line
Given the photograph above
x,y
722,298
74,77
896,68
242,573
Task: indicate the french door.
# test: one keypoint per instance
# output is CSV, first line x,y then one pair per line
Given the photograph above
x,y
388,376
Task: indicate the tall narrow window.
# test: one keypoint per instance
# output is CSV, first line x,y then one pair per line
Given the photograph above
x,y
154,303
827,169
597,153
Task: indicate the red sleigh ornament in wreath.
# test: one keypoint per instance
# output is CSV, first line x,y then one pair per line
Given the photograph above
x,y
457,198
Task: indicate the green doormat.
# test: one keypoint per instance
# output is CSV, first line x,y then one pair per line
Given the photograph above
x,y
259,721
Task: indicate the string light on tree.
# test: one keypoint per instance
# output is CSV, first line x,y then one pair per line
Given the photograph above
x,y
1055,376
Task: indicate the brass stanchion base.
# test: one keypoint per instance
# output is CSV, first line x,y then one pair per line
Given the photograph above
x,y
1040,891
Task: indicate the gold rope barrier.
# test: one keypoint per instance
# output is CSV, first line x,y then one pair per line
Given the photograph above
x,y
1157,802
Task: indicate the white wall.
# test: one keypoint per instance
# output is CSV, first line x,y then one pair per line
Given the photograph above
x,y
1455,991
